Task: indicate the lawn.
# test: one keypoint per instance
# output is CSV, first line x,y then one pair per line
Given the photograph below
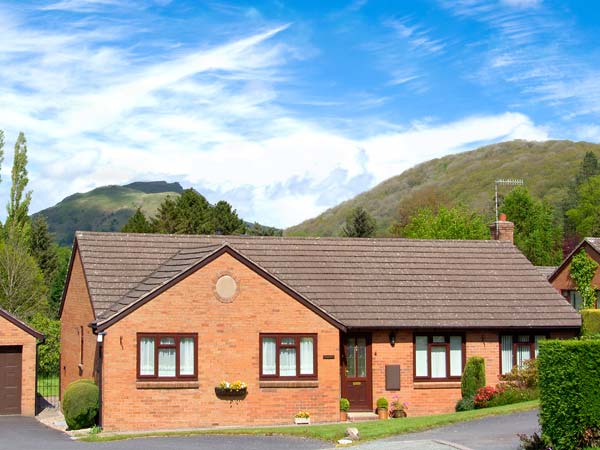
x,y
332,432
47,386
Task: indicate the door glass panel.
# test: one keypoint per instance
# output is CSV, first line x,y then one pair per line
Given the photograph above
x,y
350,358
361,344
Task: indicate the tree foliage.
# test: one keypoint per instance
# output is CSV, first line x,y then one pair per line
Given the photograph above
x,y
57,284
582,270
359,224
49,353
453,223
42,248
138,223
536,234
17,221
585,216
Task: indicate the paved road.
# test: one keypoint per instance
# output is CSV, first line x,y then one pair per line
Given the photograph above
x,y
493,433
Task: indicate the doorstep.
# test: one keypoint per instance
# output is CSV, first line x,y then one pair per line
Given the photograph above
x,y
362,416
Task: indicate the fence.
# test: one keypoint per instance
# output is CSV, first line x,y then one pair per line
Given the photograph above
x,y
48,387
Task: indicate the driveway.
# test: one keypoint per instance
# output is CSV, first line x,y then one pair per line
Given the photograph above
x,y
492,433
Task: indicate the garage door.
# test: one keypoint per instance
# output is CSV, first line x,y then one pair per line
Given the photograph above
x,y
10,380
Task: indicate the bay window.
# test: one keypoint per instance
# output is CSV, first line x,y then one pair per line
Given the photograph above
x,y
516,349
167,356
288,356
438,357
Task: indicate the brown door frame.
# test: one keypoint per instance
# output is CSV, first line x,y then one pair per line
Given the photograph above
x,y
368,379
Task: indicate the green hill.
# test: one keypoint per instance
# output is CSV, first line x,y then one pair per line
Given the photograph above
x,y
105,208
547,168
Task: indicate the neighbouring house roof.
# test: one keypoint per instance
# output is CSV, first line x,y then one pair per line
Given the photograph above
x,y
592,242
22,325
546,271
359,283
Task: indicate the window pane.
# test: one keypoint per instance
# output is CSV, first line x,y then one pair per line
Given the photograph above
x,y
166,362
287,362
268,356
167,341
507,354
438,362
361,357
438,339
537,341
455,356
186,356
350,358
307,356
523,338
421,356
523,354
147,356
288,341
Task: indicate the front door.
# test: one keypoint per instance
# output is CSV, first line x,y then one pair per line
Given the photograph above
x,y
356,371
10,380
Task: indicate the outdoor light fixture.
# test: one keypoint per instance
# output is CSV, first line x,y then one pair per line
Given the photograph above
x,y
100,337
392,338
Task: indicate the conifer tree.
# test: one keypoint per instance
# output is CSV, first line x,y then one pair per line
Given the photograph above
x,y
359,224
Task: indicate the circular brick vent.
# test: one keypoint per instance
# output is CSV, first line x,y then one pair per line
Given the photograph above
x,y
226,288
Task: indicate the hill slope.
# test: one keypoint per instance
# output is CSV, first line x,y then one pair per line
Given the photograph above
x,y
547,168
105,208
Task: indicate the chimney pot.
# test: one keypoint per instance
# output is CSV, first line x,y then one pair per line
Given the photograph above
x,y
503,230
502,217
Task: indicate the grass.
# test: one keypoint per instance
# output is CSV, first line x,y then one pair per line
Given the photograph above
x,y
332,432
47,386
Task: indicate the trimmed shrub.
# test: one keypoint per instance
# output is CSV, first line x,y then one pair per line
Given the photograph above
x,y
508,395
523,378
382,402
590,322
484,395
80,404
473,377
465,404
569,394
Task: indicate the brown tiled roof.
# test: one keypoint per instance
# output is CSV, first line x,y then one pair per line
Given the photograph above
x,y
594,242
358,282
546,271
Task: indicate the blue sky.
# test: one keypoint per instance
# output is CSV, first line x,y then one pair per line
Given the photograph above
x,y
285,108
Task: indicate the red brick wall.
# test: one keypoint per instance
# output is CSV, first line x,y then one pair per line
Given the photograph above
x,y
228,349
432,397
10,334
77,313
563,279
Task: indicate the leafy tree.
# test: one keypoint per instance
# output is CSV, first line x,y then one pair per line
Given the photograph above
x,y
17,224
537,234
359,224
582,270
453,223
226,220
256,229
49,353
586,215
22,288
55,290
138,223
42,248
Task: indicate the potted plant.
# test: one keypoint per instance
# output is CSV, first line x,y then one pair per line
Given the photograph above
x,y
235,389
398,408
382,408
344,408
302,418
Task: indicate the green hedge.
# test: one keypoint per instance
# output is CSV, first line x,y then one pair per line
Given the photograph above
x,y
80,404
473,377
590,322
569,392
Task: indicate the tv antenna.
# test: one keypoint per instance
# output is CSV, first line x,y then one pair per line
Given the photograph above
x,y
509,182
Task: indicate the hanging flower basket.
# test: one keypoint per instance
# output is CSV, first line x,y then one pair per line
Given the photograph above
x,y
236,390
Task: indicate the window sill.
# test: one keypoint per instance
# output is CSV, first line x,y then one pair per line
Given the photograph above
x,y
166,385
436,384
289,383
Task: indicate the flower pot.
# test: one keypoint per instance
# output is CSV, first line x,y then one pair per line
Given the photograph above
x,y
302,420
343,416
398,413
382,413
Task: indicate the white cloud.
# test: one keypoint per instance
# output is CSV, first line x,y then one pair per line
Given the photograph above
x,y
97,113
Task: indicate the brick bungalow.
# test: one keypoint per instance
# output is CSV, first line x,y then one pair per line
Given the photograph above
x,y
160,320
18,357
561,277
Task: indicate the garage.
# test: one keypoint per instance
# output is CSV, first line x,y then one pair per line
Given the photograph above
x,y
18,356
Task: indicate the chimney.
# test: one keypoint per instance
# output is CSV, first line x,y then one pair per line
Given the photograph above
x,y
502,230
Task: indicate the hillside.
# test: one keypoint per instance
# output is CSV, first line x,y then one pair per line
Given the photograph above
x,y
105,208
547,168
